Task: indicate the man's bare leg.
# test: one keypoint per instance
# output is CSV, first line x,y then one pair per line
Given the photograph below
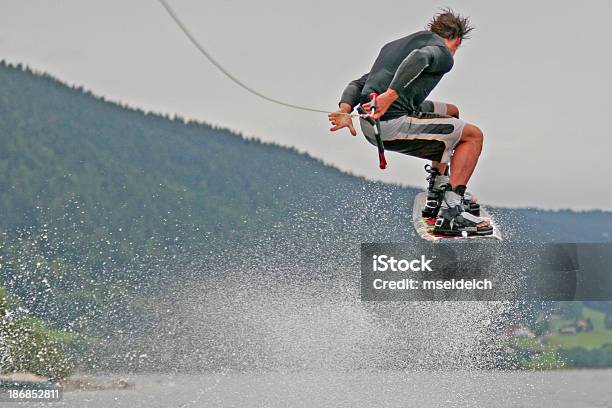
x,y
466,155
441,167
465,158
452,110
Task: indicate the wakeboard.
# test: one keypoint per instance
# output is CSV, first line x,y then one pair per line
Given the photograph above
x,y
425,226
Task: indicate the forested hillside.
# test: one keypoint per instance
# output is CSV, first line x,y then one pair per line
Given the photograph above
x,y
89,186
92,168
67,157
94,197
97,199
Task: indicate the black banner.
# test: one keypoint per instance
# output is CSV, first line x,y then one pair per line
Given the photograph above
x,y
486,271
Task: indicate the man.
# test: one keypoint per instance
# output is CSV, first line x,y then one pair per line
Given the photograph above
x,y
403,75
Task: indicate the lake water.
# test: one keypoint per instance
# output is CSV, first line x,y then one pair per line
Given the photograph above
x,y
566,388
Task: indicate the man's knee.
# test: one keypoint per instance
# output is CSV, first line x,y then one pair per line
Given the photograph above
x,y
472,133
452,110
478,134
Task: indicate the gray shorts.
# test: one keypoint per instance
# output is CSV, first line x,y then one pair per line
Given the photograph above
x,y
433,107
429,135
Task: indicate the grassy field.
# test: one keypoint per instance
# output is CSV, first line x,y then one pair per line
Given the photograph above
x,y
555,325
589,340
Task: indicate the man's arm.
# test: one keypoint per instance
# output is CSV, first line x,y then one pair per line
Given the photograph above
x,y
350,96
431,59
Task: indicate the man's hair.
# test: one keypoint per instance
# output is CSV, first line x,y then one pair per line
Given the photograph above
x,y
448,24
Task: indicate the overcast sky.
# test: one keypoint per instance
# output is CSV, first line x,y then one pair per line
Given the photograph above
x,y
535,77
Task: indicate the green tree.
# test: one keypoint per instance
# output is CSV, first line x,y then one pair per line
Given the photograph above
x,y
29,345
